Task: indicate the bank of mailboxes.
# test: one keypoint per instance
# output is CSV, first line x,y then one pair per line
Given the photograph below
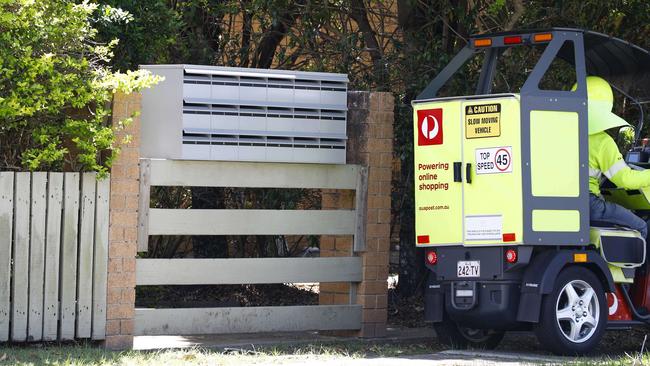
x,y
224,113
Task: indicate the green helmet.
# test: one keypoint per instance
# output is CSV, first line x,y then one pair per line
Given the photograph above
x,y
600,102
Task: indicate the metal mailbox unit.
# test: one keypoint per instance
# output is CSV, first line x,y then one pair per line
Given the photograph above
x,y
237,114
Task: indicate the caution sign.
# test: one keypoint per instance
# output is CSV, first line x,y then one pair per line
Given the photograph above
x,y
494,160
483,120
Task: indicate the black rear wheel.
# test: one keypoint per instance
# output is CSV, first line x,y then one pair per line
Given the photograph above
x,y
573,316
459,337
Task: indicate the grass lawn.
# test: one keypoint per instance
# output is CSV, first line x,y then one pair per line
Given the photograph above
x,y
89,354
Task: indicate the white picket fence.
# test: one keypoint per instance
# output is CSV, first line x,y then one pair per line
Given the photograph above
x,y
53,256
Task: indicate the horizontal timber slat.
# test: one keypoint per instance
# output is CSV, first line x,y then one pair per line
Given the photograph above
x,y
252,175
246,319
251,222
247,271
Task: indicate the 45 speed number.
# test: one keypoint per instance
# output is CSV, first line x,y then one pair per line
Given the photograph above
x,y
494,160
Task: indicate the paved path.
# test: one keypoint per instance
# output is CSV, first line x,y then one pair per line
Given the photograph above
x,y
223,341
462,358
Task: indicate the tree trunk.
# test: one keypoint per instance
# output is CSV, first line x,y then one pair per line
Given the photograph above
x,y
359,13
247,30
268,45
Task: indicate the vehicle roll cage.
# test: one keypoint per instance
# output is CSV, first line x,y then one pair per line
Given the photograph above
x,y
619,62
493,45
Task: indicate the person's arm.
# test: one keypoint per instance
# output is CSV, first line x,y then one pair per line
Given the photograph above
x,y
618,172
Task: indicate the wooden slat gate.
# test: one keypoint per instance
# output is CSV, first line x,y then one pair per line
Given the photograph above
x,y
180,321
53,256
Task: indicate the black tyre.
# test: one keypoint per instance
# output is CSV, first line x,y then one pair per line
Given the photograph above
x,y
573,316
458,337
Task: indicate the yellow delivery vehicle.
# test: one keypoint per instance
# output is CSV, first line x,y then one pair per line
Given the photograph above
x,y
502,199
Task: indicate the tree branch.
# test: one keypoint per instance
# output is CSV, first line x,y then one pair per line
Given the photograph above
x,y
516,15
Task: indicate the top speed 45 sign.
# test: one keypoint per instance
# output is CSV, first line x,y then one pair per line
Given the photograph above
x,y
494,160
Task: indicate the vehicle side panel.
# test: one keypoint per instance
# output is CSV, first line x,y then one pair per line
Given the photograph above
x,y
438,199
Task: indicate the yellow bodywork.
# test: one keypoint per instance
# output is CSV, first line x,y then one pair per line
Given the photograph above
x,y
438,198
487,208
554,154
556,220
554,167
595,235
477,132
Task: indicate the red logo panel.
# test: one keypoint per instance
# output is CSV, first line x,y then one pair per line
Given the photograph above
x,y
430,127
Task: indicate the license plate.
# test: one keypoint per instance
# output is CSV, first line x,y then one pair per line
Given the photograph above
x,y
469,268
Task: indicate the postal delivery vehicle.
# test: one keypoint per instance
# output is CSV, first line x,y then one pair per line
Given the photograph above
x,y
502,199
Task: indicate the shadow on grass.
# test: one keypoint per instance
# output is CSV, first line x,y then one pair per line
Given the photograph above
x,y
54,354
616,348
92,354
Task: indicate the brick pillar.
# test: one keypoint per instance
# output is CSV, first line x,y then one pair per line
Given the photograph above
x,y
370,143
122,246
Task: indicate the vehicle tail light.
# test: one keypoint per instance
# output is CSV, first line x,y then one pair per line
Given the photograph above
x,y
511,256
543,37
483,42
513,40
432,257
509,237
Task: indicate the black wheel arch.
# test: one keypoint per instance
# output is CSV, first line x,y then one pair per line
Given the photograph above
x,y
539,278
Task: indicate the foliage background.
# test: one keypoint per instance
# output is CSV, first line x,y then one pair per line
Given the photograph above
x,y
56,86
387,45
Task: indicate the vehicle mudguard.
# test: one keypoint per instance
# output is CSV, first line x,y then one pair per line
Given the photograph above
x,y
539,278
434,303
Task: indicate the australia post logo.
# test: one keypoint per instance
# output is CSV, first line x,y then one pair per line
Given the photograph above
x,y
430,127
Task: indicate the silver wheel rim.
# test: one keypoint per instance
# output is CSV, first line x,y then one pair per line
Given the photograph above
x,y
577,311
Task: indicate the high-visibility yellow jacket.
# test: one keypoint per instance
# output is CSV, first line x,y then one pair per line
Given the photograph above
x,y
606,160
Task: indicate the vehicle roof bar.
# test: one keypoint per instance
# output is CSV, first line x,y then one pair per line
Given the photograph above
x,y
487,72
